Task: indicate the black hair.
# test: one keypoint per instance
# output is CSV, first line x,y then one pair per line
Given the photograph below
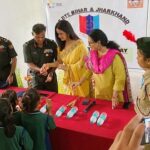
x,y
12,96
66,27
98,35
38,28
143,44
30,100
6,117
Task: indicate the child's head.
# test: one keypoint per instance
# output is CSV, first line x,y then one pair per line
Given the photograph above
x,y
143,54
30,100
12,96
6,118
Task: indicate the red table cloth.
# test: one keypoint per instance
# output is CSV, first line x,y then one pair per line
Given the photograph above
x,y
77,133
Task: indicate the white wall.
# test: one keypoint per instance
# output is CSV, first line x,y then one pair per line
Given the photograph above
x,y
17,19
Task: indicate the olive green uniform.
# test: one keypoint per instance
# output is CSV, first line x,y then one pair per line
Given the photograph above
x,y
39,56
7,52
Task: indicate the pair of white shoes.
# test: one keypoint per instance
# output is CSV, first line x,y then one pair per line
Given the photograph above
x,y
97,117
70,114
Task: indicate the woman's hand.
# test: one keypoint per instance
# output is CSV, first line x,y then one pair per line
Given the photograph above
x,y
62,67
45,66
43,72
75,84
115,102
114,99
131,136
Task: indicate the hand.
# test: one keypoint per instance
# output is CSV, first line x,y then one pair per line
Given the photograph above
x,y
114,99
18,108
75,84
49,77
43,71
115,102
62,66
131,136
45,66
10,79
49,106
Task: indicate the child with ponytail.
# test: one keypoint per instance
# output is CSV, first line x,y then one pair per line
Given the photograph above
x,y
12,137
37,124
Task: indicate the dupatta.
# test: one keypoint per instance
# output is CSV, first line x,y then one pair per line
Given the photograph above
x,y
99,65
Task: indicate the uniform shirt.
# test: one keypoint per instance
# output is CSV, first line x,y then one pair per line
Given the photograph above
x,y
143,101
7,52
21,137
39,56
38,126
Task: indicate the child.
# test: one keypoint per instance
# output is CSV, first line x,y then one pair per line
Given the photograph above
x,y
12,96
12,137
36,123
142,105
143,58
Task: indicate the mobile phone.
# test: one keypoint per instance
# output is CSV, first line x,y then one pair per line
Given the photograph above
x,y
146,137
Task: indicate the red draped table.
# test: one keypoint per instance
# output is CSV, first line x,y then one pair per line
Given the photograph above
x,y
77,133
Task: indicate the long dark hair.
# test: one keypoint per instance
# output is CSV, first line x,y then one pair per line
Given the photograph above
x,y
66,27
6,117
30,100
98,35
12,96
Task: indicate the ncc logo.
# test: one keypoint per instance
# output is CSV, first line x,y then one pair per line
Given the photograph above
x,y
88,23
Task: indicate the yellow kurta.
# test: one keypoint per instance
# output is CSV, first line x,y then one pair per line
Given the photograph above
x,y
112,79
73,58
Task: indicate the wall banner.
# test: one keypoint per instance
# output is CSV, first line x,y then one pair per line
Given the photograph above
x,y
112,16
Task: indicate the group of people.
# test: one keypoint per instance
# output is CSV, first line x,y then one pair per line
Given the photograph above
x,y
22,125
104,65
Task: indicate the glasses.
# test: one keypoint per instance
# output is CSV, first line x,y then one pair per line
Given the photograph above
x,y
91,42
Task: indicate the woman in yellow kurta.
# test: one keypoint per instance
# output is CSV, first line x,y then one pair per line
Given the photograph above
x,y
108,69
70,58
113,79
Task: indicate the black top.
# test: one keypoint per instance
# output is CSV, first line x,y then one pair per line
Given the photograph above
x,y
7,52
39,56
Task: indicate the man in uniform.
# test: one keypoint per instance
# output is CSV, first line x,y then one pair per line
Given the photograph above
x,y
37,52
8,62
